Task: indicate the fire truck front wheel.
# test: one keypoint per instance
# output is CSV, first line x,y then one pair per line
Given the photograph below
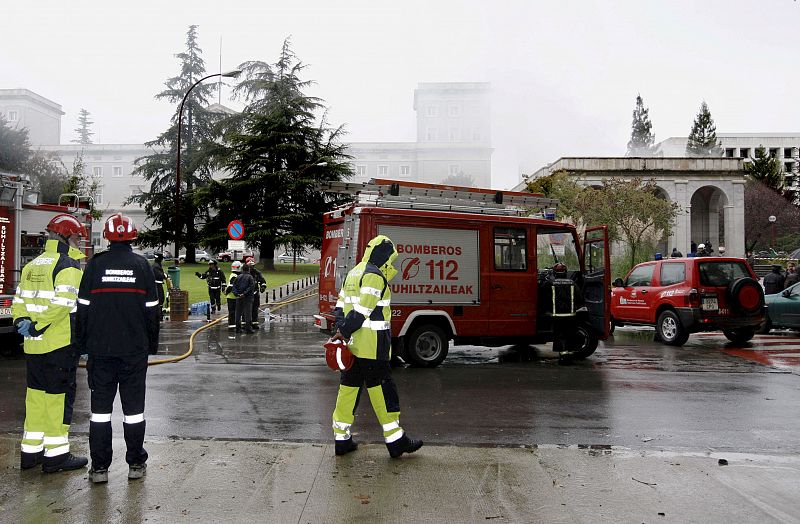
x,y
582,343
427,346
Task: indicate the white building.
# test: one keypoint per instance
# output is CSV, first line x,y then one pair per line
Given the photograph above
x,y
453,138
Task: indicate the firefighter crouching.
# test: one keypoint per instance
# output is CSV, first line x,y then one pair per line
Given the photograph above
x,y
215,279
260,287
363,316
43,311
118,325
236,268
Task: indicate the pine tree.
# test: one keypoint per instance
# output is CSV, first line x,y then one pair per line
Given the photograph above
x,y
84,134
703,137
198,136
276,152
642,139
765,169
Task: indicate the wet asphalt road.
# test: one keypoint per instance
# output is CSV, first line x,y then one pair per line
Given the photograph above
x,y
706,396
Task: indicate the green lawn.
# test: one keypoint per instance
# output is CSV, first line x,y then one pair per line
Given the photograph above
x,y
198,291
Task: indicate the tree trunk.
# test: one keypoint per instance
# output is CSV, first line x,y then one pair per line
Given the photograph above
x,y
266,253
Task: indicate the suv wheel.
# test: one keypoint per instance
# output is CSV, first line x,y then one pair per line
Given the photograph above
x,y
746,295
670,330
739,336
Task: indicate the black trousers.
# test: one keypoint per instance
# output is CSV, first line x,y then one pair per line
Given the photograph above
x,y
214,296
106,374
231,312
256,305
244,308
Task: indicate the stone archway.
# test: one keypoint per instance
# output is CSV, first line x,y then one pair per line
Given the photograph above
x,y
663,244
708,216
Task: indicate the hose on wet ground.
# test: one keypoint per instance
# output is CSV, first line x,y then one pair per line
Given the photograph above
x,y
274,306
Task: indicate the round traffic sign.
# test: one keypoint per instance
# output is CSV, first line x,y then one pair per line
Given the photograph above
x,y
236,230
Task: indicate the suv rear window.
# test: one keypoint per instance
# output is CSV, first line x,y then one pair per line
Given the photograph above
x,y
672,273
721,273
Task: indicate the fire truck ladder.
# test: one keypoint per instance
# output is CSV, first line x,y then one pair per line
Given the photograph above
x,y
439,197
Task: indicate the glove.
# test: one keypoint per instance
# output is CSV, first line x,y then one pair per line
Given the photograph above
x,y
23,327
262,288
198,275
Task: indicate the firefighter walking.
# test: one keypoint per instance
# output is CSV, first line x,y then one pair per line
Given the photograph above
x,y
260,287
43,311
215,278
118,325
363,315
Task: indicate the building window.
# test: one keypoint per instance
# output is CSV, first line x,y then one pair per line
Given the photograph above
x,y
787,152
454,169
361,170
744,152
454,134
476,134
453,111
13,116
383,170
431,111
405,170
97,171
117,171
729,152
98,196
773,152
96,238
430,134
788,166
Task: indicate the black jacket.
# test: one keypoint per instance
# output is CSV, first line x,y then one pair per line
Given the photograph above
x,y
118,313
773,282
244,285
214,276
260,282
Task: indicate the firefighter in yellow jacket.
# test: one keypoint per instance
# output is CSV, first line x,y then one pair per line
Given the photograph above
x,y
44,313
363,314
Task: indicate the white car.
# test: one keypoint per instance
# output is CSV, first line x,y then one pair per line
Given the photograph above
x,y
199,254
287,257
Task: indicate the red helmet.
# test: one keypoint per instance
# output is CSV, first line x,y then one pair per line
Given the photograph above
x,y
250,261
66,225
337,356
120,228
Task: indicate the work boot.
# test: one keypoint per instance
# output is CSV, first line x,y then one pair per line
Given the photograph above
x,y
137,471
98,476
249,331
66,462
403,445
238,330
343,447
30,460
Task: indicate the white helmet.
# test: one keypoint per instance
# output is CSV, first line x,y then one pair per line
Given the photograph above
x,y
236,266
701,246
721,250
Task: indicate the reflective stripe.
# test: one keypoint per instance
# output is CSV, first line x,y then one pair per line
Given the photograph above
x,y
159,281
339,359
34,338
391,425
339,303
63,301
18,300
100,417
33,435
341,425
151,303
361,309
382,303
394,436
36,308
38,293
376,325
371,291
133,419
27,448
84,301
352,300
54,441
61,288
54,452
341,436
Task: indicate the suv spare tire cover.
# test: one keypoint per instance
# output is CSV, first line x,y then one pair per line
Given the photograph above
x,y
746,295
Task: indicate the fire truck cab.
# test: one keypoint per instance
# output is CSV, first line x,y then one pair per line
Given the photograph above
x,y
475,266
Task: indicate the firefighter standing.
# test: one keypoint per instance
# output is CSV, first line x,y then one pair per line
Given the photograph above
x,y
363,315
118,325
215,279
243,290
236,268
160,277
43,313
260,287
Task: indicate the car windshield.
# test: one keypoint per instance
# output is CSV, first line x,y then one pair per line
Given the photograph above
x,y
722,273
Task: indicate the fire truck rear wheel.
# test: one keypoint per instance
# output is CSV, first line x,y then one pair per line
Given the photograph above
x,y
427,346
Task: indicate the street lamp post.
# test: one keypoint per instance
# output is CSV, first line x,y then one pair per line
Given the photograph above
x,y
772,219
178,221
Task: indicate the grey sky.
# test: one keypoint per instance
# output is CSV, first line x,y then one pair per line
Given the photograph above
x,y
564,73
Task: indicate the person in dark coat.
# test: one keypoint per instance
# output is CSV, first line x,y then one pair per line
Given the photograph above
x,y
773,282
675,253
243,291
792,276
260,287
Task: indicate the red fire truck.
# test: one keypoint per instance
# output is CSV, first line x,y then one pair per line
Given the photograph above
x,y
23,235
475,266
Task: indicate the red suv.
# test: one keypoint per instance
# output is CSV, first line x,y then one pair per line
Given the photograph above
x,y
680,296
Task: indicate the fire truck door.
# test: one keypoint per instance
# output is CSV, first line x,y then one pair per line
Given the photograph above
x,y
597,279
512,288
